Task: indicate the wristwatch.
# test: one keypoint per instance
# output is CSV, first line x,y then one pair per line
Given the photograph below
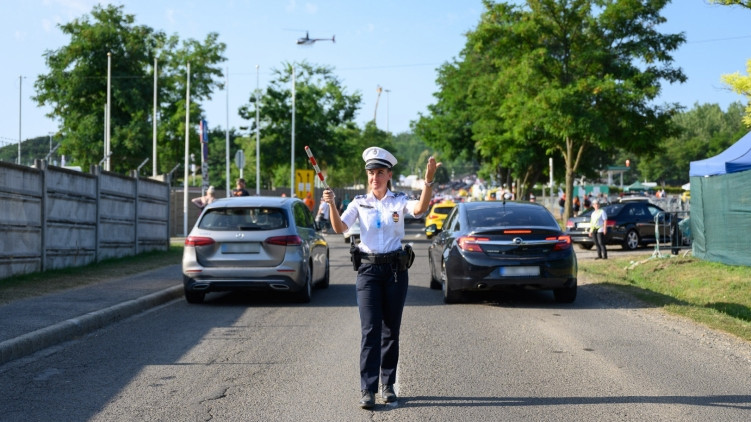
x,y
430,184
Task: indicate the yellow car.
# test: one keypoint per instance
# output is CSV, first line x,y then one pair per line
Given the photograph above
x,y
438,213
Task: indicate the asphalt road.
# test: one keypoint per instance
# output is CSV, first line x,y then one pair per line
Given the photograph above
x,y
517,357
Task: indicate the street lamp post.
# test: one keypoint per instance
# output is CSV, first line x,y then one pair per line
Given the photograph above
x,y
258,136
292,165
387,108
20,85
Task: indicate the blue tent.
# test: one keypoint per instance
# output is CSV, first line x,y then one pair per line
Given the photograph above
x,y
732,160
720,212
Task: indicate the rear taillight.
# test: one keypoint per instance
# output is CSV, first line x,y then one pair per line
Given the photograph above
x,y
469,243
609,223
563,242
284,240
198,241
570,224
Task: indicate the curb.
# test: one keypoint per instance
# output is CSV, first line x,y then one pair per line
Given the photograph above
x,y
42,338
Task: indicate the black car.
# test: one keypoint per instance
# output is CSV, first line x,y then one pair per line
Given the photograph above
x,y
630,224
492,245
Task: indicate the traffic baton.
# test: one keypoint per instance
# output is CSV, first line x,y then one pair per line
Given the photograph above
x,y
315,166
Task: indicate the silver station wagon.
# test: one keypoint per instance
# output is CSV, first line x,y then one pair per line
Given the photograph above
x,y
255,243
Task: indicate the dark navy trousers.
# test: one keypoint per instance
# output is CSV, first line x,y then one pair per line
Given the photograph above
x,y
380,300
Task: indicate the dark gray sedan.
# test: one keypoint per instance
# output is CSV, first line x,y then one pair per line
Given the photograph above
x,y
255,243
494,245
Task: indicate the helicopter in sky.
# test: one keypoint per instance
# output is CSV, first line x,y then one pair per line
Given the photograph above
x,y
310,41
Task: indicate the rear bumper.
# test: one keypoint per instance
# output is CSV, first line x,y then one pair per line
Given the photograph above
x,y
483,274
209,284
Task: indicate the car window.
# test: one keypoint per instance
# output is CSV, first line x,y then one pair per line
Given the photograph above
x,y
245,218
452,222
493,216
613,210
653,210
638,211
303,217
442,210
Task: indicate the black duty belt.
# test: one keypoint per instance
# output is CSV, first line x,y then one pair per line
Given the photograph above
x,y
380,258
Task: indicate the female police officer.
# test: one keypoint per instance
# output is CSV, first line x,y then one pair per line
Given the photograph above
x,y
381,279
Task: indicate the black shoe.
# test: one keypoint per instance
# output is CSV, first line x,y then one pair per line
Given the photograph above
x,y
599,257
368,399
387,393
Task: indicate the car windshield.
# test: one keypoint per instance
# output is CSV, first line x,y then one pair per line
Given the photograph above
x,y
260,218
510,216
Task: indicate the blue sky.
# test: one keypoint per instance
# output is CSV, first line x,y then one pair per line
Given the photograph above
x,y
393,44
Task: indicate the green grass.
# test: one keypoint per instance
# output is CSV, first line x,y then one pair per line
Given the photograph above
x,y
28,285
713,294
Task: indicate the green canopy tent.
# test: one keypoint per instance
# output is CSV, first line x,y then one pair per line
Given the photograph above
x,y
635,187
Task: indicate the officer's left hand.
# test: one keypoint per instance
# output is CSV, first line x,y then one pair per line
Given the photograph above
x,y
431,168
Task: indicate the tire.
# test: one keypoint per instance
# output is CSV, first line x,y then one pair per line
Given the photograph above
x,y
565,294
586,246
324,284
435,284
192,296
632,241
449,295
304,295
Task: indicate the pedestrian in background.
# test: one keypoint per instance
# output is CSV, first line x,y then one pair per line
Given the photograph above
x,y
382,277
309,202
598,229
202,201
240,188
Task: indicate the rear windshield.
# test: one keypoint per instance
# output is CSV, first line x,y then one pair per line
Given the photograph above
x,y
494,216
243,219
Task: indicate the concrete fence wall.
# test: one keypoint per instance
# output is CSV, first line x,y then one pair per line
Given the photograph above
x,y
52,217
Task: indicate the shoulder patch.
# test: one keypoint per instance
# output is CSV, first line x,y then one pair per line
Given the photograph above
x,y
399,194
361,196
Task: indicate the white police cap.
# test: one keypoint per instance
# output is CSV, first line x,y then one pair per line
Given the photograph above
x,y
376,157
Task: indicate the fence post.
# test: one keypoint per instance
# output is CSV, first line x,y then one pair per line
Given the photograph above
x,y
42,166
97,171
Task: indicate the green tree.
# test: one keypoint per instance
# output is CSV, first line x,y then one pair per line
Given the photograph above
x,y
76,88
567,76
739,83
324,114
705,131
743,3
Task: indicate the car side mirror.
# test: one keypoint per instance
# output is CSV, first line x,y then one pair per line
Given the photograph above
x,y
431,231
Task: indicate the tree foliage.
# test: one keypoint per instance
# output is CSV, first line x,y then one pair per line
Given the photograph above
x,y
324,120
76,88
557,77
705,131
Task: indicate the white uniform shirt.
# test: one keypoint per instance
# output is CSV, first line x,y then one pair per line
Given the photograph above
x,y
381,222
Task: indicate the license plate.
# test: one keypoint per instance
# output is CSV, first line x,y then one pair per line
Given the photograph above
x,y
241,248
519,271
583,225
